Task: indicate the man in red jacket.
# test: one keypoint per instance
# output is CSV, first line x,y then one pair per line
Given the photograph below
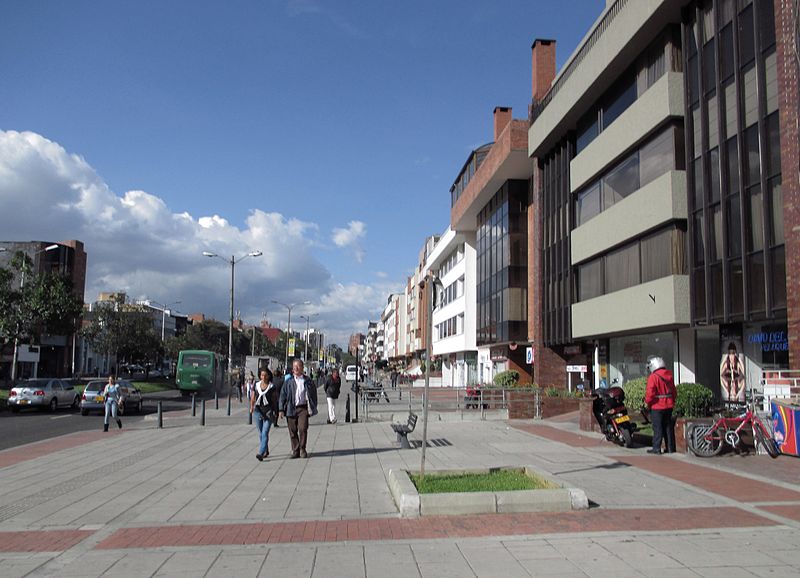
x,y
660,398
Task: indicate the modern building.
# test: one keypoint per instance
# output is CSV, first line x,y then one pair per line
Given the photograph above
x,y
453,262
489,206
394,328
417,309
660,220
54,355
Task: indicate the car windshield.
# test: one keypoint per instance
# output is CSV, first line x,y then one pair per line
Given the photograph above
x,y
97,386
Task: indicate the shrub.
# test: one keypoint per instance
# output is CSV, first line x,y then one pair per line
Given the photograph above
x,y
634,393
507,378
694,400
553,391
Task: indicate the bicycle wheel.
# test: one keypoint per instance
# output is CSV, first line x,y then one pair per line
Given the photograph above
x,y
769,444
705,441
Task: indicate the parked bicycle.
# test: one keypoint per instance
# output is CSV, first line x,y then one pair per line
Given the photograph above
x,y
706,440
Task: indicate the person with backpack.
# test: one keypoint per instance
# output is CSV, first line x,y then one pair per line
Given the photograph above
x,y
333,386
264,407
660,399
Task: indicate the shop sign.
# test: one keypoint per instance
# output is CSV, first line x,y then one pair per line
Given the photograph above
x,y
529,355
577,369
498,354
770,340
572,349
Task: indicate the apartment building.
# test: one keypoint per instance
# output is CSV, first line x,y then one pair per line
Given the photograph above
x,y
489,205
453,263
417,308
394,324
660,220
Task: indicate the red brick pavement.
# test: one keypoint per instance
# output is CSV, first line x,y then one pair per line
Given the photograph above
x,y
50,446
712,480
788,511
596,520
41,540
560,435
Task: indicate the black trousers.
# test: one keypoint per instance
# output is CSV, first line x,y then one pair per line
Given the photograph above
x,y
663,429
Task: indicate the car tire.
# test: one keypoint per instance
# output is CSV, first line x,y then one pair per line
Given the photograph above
x,y
84,412
53,405
76,403
14,409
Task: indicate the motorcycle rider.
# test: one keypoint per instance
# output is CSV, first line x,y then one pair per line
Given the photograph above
x,y
660,398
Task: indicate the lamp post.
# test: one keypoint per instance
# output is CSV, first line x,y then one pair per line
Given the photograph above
x,y
164,317
431,282
308,322
21,285
289,307
232,262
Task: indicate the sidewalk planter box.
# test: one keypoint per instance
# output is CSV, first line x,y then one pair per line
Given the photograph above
x,y
521,404
411,504
552,406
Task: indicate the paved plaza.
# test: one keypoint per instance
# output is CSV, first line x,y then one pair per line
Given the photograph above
x,y
189,500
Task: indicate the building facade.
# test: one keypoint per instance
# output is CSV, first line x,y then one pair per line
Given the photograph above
x,y
659,207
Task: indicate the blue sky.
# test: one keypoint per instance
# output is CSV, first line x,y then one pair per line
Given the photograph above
x,y
325,133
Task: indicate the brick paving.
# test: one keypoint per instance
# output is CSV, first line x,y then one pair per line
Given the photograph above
x,y
787,511
35,450
434,527
575,440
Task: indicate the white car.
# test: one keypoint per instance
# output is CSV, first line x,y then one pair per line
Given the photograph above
x,y
350,373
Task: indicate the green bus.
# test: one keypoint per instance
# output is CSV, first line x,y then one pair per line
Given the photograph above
x,y
200,372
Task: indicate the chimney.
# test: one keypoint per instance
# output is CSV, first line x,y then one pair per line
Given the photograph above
x,y
502,116
543,67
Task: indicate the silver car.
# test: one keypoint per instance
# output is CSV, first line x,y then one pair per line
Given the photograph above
x,y
93,400
43,393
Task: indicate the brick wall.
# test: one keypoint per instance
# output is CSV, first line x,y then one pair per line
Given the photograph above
x,y
785,14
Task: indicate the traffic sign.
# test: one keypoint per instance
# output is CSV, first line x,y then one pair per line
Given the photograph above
x,y
529,355
576,369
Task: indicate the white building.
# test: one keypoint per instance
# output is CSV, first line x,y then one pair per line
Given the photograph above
x,y
453,261
394,327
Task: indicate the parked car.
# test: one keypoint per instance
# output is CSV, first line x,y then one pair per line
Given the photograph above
x,y
43,393
93,400
350,373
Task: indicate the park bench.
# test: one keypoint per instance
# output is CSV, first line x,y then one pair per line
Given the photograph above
x,y
403,429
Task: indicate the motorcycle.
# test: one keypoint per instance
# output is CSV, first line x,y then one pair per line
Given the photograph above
x,y
612,415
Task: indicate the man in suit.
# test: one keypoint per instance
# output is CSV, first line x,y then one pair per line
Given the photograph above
x,y
298,402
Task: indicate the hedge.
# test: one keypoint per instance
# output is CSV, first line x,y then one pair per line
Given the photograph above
x,y
694,399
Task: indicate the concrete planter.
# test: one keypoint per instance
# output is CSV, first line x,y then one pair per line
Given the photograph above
x,y
411,504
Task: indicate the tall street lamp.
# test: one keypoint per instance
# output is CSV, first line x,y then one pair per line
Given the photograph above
x,y
432,283
308,319
289,307
21,285
233,260
164,317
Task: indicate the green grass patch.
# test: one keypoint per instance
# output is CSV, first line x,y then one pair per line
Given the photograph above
x,y
153,387
495,481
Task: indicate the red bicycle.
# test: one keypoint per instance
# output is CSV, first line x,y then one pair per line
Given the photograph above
x,y
706,441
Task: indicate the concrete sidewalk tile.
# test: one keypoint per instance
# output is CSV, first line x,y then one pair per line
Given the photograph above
x,y
339,561
668,573
774,571
723,572
195,561
531,549
445,569
92,563
237,564
138,564
289,561
491,560
551,567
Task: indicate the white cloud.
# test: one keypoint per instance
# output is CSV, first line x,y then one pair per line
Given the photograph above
x,y
351,238
136,243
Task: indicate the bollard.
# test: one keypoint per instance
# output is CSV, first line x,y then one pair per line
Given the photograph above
x,y
249,418
203,413
347,409
229,405
160,416
216,400
194,405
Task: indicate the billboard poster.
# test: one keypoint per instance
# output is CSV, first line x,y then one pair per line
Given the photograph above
x,y
731,367
291,347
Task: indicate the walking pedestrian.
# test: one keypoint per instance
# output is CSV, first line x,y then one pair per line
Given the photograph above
x,y
333,386
298,401
264,407
660,398
250,384
113,400
393,377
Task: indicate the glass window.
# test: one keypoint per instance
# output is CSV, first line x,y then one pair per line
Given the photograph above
x,y
657,157
773,145
747,51
588,129
590,280
709,67
696,129
708,21
756,236
713,121
737,287
717,291
752,167
726,50
656,255
619,99
694,91
697,171
713,171
766,23
699,295
716,233
771,74
622,268
621,181
734,226
699,239
755,282
776,198
733,166
730,109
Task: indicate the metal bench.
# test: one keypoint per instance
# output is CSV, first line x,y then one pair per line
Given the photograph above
x,y
403,429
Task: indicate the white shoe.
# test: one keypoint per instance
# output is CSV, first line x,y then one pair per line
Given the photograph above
x,y
333,420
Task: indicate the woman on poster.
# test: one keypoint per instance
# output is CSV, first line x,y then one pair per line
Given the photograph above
x,y
731,375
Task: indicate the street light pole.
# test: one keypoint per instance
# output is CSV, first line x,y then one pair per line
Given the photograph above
x,y
21,285
308,321
232,263
431,290
289,307
164,318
